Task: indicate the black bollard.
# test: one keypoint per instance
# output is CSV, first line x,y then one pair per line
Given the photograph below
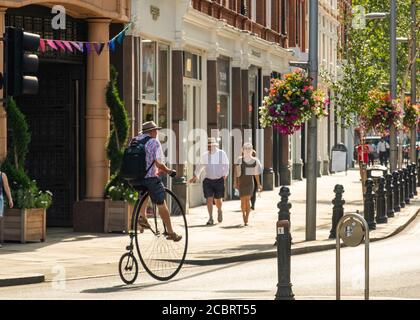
x,y
284,247
410,186
389,196
381,202
338,209
396,184
414,170
369,205
402,188
418,173
406,186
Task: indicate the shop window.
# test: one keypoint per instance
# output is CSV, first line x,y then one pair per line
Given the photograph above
x,y
148,70
192,66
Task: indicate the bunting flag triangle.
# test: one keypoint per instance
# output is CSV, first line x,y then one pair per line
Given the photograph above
x,y
82,49
111,45
60,44
52,44
121,37
42,45
88,47
76,45
99,47
68,46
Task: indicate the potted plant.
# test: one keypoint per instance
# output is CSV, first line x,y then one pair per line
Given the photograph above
x,y
27,220
119,196
290,102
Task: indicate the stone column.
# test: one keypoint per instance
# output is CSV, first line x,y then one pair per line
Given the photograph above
x,y
97,113
211,96
268,174
88,215
179,185
3,117
129,84
297,166
324,142
245,100
285,170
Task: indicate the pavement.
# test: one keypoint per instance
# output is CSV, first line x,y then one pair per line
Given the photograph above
x,y
69,255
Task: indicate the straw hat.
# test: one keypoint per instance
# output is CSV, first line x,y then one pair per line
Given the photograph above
x,y
149,126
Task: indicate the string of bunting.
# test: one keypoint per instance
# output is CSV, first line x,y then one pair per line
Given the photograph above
x,y
83,46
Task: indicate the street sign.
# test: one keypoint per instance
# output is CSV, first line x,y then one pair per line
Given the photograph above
x,y
352,229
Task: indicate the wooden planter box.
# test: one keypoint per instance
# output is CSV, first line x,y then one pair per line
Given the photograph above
x,y
117,216
24,225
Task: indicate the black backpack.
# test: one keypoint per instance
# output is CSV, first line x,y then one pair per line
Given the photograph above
x,y
134,160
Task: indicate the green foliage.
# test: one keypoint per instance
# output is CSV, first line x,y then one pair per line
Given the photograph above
x,y
119,190
119,123
25,192
20,136
365,64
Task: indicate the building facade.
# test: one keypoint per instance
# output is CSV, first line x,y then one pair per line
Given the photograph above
x,y
220,56
68,119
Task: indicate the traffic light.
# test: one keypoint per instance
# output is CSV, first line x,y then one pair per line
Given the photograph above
x,y
21,66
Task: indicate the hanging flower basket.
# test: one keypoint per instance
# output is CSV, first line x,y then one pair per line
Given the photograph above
x,y
411,114
380,113
290,102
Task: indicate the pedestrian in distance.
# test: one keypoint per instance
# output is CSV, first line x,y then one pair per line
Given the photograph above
x,y
4,186
372,153
215,163
254,194
383,150
247,168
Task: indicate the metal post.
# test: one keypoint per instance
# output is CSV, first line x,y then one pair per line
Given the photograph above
x,y
381,202
393,81
413,80
338,209
410,181
311,166
396,183
414,169
402,188
369,205
389,196
406,186
284,247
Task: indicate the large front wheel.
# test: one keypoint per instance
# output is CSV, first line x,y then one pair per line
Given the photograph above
x,y
161,258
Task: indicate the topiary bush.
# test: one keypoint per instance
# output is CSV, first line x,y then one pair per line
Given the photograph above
x,y
25,192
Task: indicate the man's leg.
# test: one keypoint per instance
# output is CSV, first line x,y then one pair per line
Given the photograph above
x,y
164,214
254,194
210,207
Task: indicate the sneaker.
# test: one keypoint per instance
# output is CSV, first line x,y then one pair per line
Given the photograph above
x,y
174,237
210,222
220,216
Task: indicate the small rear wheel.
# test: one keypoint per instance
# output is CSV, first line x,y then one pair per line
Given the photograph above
x,y
128,268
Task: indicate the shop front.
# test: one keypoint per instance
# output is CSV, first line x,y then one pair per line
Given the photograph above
x,y
68,118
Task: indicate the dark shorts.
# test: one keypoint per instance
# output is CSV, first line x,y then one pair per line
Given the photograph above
x,y
155,188
214,188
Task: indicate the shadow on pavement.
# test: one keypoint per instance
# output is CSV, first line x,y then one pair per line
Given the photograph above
x,y
121,288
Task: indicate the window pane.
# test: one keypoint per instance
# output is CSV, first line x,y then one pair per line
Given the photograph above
x,y
149,70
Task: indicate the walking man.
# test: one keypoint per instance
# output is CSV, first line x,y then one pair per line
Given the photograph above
x,y
216,165
383,147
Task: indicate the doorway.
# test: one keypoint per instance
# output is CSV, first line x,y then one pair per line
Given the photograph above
x,y
55,118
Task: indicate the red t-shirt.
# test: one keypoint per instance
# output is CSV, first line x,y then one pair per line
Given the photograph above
x,y
365,153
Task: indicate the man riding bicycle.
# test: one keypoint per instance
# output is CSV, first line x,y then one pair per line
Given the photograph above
x,y
152,182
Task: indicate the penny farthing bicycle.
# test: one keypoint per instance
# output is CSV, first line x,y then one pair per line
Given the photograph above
x,y
161,258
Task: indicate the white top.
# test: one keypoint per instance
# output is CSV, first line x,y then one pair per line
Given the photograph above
x,y
382,146
215,164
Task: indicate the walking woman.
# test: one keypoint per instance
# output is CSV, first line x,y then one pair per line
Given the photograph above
x,y
4,184
247,168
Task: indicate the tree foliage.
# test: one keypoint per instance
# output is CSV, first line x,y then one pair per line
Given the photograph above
x,y
119,123
365,58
